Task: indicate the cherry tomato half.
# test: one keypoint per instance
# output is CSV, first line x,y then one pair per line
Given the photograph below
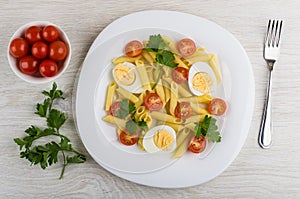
x,y
50,33
29,65
114,108
33,34
58,51
48,68
217,106
197,145
127,139
183,110
153,102
18,47
133,48
186,47
180,75
39,50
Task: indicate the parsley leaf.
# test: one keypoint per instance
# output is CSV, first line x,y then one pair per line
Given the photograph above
x,y
208,129
133,126
126,108
166,58
47,154
155,44
56,119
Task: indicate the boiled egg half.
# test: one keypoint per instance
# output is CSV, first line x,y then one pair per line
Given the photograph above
x,y
161,138
202,79
127,77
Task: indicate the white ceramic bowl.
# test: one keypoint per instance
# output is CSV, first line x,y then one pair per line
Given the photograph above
x,y
29,78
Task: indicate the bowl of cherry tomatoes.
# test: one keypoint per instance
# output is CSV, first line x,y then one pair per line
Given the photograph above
x,y
39,52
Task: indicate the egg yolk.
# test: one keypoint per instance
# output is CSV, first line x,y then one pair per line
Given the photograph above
x,y
163,139
124,74
202,82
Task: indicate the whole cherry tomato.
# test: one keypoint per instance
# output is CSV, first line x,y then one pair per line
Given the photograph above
x,y
39,50
33,34
48,68
29,65
18,47
50,33
58,51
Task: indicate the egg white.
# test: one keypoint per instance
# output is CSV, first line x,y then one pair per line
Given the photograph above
x,y
136,86
201,67
148,141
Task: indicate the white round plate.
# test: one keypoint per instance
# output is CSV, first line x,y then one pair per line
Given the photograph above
x,y
189,170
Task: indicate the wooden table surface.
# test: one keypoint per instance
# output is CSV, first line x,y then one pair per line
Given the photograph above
x,y
255,173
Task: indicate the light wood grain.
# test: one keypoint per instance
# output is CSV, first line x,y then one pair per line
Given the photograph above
x,y
255,173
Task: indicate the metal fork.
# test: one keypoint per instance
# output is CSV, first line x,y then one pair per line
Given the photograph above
x,y
271,54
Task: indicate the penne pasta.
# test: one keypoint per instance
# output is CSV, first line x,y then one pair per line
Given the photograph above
x,y
180,62
165,117
171,44
173,97
115,120
194,119
128,95
143,75
198,109
197,99
123,59
160,92
110,95
182,148
148,57
214,64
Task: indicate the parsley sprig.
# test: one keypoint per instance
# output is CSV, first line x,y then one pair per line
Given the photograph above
x,y
126,108
208,129
163,55
47,154
134,126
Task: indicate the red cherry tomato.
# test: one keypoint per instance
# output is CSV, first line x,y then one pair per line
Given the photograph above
x,y
186,47
39,50
48,68
217,106
133,48
18,47
50,33
183,110
180,75
29,65
58,50
153,102
127,139
33,34
114,108
197,145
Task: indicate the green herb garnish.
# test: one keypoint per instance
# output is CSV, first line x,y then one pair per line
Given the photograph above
x,y
47,154
155,44
134,126
166,58
208,129
126,108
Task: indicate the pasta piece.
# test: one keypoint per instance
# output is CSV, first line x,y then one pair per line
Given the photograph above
x,y
115,120
165,117
182,148
181,135
171,44
173,97
191,126
143,74
195,119
176,127
123,59
180,62
214,64
110,95
167,94
206,98
198,109
127,95
141,100
160,92
148,57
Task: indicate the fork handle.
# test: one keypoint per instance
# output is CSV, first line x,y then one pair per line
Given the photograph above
x,y
265,131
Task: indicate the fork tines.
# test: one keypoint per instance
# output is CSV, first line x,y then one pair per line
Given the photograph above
x,y
273,33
